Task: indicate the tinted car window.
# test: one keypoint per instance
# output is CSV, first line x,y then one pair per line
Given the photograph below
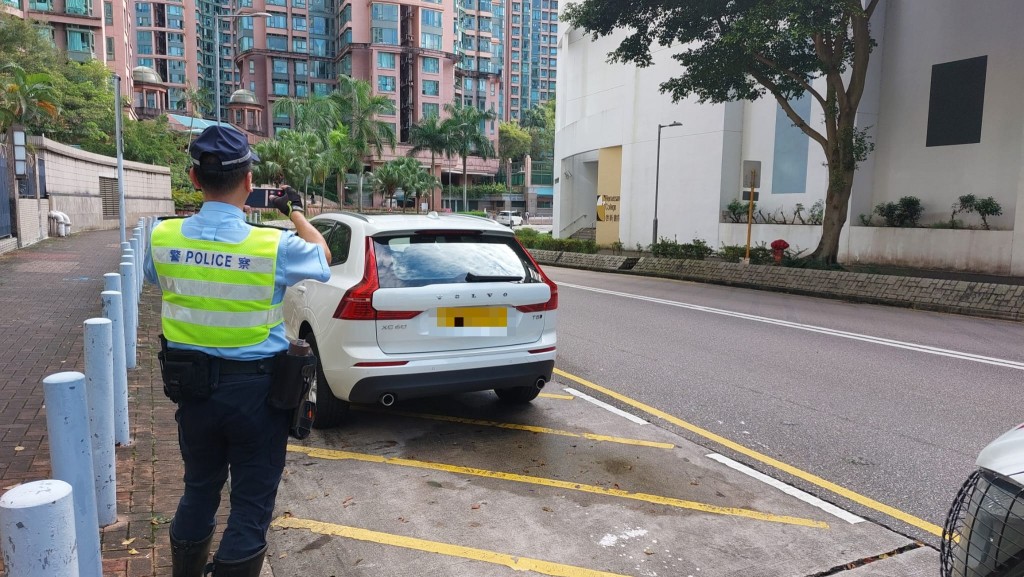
x,y
341,238
424,259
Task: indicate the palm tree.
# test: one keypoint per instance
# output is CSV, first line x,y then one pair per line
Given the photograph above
x,y
430,134
388,178
340,155
359,108
419,183
317,113
195,101
464,128
24,97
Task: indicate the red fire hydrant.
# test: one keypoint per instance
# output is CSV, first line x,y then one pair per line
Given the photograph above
x,y
778,248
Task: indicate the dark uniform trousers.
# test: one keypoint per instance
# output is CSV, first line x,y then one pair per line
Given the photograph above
x,y
234,429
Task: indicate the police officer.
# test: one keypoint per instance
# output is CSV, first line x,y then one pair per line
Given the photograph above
x,y
223,281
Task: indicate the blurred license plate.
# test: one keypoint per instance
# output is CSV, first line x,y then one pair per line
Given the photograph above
x,y
476,317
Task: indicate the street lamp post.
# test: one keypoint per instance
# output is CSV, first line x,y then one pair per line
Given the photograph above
x,y
216,44
657,172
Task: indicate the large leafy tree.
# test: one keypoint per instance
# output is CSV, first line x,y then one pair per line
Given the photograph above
x,y
465,127
431,135
745,49
389,177
513,142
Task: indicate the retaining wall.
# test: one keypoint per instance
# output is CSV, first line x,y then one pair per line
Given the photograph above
x,y
962,297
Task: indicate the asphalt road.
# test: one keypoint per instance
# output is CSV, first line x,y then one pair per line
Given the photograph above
x,y
898,422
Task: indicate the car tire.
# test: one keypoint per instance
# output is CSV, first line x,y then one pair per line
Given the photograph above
x,y
517,394
330,410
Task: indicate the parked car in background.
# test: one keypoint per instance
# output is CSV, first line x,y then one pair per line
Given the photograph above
x,y
423,305
510,218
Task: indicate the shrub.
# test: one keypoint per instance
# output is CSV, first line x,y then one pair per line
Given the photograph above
x,y
817,213
904,213
186,198
759,254
738,210
547,242
986,207
696,250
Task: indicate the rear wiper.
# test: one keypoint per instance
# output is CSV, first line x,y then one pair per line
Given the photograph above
x,y
470,277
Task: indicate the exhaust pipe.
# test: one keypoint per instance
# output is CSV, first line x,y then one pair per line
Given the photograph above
x,y
387,399
540,383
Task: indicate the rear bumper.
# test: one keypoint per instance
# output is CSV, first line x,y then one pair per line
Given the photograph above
x,y
413,386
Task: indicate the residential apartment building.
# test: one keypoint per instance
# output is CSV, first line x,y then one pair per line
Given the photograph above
x,y
532,54
75,26
118,44
480,36
164,38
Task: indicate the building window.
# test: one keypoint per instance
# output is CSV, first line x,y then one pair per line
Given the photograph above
x,y
175,17
432,65
280,89
78,7
110,48
386,60
431,88
275,42
299,23
385,12
300,45
431,109
143,14
344,66
431,18
301,90
956,102
277,20
277,2
385,84
108,13
346,14
319,25
321,88
430,41
384,35
280,66
320,45
143,43
245,43
300,69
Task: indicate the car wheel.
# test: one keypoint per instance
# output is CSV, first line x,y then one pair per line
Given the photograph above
x,y
330,410
517,394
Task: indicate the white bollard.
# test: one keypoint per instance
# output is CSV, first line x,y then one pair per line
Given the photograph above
x,y
67,424
137,247
37,523
114,310
130,303
99,388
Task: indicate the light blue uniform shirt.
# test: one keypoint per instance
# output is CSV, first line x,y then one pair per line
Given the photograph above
x,y
297,260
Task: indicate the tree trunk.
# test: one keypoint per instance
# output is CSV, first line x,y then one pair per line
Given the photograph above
x,y
360,191
842,166
465,186
431,204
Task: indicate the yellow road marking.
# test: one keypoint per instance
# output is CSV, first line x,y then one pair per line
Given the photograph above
x,y
515,563
518,427
555,396
655,499
800,473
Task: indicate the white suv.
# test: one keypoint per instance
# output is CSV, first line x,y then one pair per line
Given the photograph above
x,y
510,218
423,305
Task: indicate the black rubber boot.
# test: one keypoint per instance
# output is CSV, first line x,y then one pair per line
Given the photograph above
x,y
188,558
249,567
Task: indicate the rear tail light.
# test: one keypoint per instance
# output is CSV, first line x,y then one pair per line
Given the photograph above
x,y
552,303
357,304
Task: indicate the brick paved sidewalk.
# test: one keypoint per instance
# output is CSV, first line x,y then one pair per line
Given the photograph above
x,y
46,292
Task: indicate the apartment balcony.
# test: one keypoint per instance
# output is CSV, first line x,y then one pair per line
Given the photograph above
x,y
146,113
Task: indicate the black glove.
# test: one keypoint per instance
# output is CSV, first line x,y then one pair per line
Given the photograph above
x,y
287,201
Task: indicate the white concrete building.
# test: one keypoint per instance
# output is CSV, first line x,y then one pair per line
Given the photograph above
x,y
942,105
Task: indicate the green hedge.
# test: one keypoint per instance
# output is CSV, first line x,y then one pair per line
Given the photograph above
x,y
530,238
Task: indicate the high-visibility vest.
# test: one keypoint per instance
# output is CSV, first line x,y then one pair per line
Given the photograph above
x,y
216,294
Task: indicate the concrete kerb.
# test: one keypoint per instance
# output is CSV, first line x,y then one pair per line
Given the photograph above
x,y
989,300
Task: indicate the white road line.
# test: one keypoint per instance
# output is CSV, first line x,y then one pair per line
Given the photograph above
x,y
606,406
788,489
816,329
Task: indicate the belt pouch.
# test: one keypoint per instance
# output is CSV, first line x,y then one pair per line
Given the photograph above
x,y
186,374
291,382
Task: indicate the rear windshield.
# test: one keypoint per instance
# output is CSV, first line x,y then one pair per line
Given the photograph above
x,y
424,259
